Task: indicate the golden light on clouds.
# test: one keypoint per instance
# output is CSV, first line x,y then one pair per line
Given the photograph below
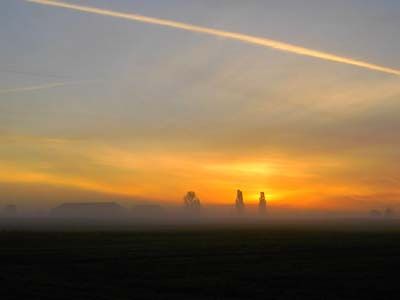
x,y
225,34
166,175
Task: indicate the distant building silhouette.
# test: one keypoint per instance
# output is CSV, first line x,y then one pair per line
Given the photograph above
x,y
10,210
88,210
147,210
191,201
389,212
262,204
239,201
374,213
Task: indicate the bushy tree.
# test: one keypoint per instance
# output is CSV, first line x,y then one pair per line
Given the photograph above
x,y
191,201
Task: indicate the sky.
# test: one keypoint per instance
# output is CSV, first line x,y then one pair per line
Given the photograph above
x,y
98,107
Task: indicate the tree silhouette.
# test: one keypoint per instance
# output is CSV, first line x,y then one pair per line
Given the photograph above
x,y
191,201
262,205
239,201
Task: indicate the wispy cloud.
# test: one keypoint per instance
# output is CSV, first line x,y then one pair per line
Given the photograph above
x,y
221,33
41,87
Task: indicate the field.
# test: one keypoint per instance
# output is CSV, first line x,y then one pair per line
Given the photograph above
x,y
242,262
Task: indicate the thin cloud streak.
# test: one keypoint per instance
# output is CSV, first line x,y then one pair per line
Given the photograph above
x,y
41,87
226,34
35,74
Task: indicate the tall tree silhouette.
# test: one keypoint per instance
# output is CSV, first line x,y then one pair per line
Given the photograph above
x,y
239,201
262,204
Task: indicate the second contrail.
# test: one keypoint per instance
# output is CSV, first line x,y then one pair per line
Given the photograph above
x,y
221,33
46,86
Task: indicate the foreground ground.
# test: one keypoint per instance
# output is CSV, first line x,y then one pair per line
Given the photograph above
x,y
254,262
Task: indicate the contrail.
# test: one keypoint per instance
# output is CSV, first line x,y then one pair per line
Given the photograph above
x,y
36,74
40,87
221,33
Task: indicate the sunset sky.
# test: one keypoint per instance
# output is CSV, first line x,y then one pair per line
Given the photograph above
x,y
94,106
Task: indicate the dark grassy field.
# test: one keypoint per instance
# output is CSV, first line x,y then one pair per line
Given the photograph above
x,y
201,263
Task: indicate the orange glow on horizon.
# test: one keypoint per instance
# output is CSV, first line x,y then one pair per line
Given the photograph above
x,y
166,176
